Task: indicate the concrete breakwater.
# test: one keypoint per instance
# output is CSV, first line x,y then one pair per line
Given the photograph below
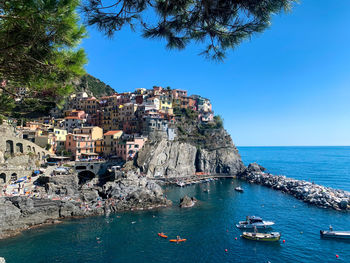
x,y
308,192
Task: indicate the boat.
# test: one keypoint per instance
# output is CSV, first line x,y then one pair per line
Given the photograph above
x,y
273,236
162,235
254,221
335,234
181,184
239,189
178,240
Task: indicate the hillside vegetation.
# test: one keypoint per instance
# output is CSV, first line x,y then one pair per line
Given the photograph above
x,y
95,86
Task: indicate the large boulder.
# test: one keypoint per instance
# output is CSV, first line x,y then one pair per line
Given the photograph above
x,y
187,201
255,168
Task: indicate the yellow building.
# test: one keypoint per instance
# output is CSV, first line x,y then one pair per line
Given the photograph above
x,y
95,132
166,103
60,135
110,139
99,146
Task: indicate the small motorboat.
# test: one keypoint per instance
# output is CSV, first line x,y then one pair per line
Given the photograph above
x,y
162,235
273,236
254,221
335,234
239,189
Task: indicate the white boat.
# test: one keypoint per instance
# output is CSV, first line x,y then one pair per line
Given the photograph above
x,y
254,221
239,189
181,184
335,234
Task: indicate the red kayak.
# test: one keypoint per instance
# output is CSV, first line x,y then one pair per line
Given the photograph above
x,y
162,235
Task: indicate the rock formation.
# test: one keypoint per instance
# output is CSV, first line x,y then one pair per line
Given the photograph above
x,y
62,197
187,201
181,158
306,191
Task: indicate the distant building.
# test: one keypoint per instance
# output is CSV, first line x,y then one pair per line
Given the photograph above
x,y
127,149
110,139
60,135
95,132
71,123
79,144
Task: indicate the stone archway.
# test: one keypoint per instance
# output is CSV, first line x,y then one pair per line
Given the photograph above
x,y
29,149
85,176
19,147
3,178
9,147
33,149
14,177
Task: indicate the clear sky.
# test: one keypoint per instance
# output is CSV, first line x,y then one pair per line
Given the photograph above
x,y
286,86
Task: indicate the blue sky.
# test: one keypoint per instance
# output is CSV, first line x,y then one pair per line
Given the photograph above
x,y
286,86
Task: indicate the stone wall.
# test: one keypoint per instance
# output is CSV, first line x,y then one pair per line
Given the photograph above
x,y
18,157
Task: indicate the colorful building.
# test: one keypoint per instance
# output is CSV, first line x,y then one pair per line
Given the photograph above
x,y
71,123
60,135
127,149
95,132
110,139
166,103
79,144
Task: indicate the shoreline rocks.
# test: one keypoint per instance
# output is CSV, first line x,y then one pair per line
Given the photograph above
x,y
132,192
186,201
321,196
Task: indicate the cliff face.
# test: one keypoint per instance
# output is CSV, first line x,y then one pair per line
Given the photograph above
x,y
62,197
216,154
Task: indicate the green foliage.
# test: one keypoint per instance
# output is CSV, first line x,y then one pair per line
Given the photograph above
x,y
97,87
220,24
219,122
38,40
6,103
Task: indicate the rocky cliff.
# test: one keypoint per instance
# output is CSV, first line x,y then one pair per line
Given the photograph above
x,y
62,197
214,154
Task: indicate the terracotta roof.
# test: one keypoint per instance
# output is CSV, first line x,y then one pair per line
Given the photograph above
x,y
112,132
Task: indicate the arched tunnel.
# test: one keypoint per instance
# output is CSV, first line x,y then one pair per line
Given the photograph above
x,y
85,176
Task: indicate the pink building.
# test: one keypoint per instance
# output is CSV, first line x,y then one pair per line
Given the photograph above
x,y
128,149
80,114
79,144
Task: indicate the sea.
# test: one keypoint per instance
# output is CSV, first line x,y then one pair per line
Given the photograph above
x,y
209,227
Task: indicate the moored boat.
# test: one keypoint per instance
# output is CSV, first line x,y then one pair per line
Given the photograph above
x,y
239,189
254,221
335,234
181,184
273,236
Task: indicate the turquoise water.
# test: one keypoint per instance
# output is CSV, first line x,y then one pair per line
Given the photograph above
x,y
208,227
